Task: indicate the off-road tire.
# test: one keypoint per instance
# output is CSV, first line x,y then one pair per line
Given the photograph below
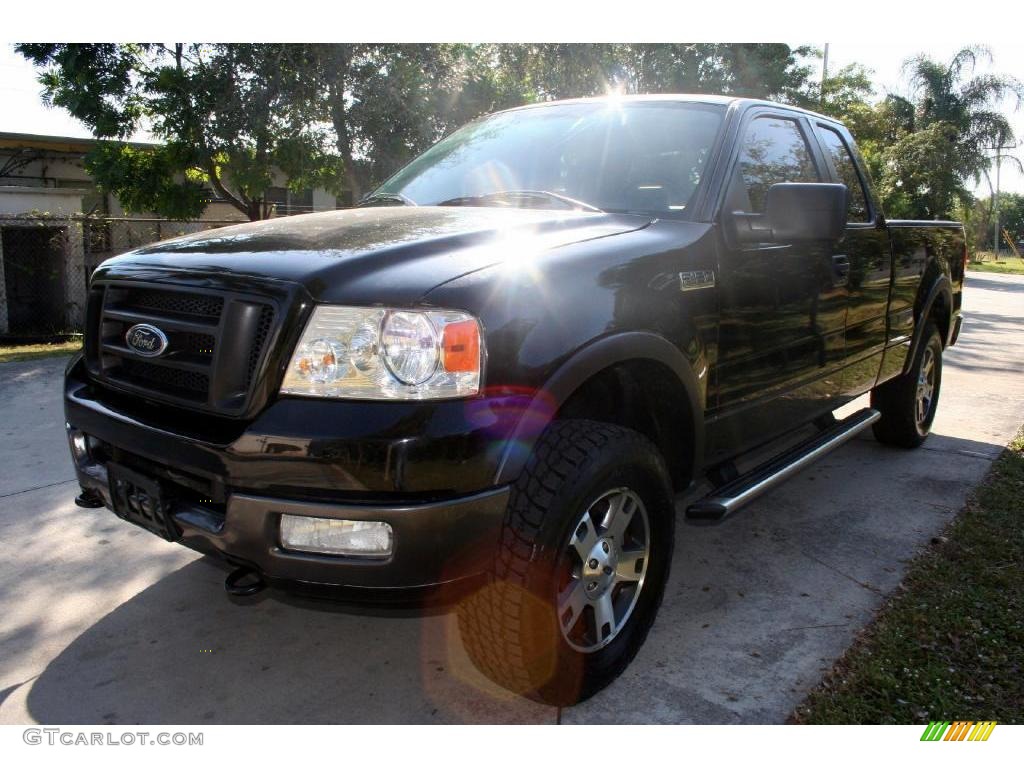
x,y
509,627
897,399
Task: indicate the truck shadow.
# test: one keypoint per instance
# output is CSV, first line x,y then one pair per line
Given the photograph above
x,y
987,282
181,652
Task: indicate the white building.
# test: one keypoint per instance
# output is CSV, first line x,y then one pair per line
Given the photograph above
x,y
47,247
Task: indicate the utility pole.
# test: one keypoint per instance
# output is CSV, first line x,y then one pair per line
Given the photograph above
x,y
995,207
824,77
998,149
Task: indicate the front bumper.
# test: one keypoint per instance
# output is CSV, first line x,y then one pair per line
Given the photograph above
x,y
440,536
435,543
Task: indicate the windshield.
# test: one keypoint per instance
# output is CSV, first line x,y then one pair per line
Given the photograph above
x,y
641,157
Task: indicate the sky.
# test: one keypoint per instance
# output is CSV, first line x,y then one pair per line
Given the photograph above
x,y
23,111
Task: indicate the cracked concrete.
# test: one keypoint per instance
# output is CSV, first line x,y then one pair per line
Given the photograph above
x,y
101,622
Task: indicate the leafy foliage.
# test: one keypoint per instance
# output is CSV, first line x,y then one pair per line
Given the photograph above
x,y
385,103
224,113
242,117
144,179
95,83
923,152
978,218
952,127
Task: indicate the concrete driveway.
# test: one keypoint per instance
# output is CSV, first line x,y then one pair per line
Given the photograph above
x,y
104,623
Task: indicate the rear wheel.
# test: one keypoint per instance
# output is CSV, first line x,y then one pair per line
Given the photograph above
x,y
909,402
581,566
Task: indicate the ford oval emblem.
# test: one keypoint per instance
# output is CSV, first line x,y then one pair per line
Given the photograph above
x,y
146,340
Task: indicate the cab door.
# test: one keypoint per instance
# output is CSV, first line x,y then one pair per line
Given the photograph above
x,y
867,253
782,317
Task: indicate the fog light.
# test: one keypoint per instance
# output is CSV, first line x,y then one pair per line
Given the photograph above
x,y
79,445
327,536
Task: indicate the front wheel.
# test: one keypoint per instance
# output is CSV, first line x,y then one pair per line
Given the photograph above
x,y
581,566
909,402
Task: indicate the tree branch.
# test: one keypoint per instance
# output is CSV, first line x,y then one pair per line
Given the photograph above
x,y
240,202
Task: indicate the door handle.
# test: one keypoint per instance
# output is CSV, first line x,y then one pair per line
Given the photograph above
x,y
840,270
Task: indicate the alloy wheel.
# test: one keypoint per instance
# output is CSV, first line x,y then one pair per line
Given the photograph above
x,y
925,388
603,569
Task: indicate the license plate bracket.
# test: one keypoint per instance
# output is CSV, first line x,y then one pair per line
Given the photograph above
x,y
141,500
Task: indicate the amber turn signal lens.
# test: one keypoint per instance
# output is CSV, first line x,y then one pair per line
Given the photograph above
x,y
461,345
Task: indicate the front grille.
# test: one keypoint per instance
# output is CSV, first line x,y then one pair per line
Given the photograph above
x,y
201,344
173,302
260,340
216,343
189,384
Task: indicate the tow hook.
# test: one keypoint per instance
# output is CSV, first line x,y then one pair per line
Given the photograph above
x,y
244,582
88,500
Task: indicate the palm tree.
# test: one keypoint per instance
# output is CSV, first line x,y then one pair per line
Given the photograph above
x,y
954,121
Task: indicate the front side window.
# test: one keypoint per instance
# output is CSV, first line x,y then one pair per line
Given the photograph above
x,y
773,151
846,169
620,157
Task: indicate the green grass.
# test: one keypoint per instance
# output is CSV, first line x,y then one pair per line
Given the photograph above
x,y
15,353
1007,265
950,644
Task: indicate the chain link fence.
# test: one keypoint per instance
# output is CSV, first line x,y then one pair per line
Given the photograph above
x,y
46,262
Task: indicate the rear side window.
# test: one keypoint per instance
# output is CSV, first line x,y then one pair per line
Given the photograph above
x,y
773,151
846,169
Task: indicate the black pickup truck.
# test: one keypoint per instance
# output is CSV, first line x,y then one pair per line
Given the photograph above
x,y
494,379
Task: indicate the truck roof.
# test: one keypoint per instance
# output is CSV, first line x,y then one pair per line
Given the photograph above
x,y
697,98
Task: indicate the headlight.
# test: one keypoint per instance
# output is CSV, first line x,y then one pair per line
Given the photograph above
x,y
386,354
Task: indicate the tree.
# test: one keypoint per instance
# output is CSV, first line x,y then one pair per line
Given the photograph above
x,y
946,131
847,96
977,219
387,103
566,70
384,103
1011,214
231,117
222,112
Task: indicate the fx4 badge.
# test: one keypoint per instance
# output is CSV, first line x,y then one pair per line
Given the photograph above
x,y
692,281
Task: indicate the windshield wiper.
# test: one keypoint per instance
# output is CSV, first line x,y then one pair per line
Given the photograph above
x,y
385,198
493,198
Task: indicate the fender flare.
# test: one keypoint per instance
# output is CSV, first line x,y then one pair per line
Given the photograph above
x,y
940,288
586,363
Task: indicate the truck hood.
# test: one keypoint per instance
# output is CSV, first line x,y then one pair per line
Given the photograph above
x,y
386,255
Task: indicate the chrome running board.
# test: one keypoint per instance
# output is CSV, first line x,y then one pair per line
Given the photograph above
x,y
727,498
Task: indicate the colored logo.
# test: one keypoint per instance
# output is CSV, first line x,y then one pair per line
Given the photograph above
x,y
961,730
146,340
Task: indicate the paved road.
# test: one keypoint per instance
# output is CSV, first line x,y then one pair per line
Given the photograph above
x,y
103,623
